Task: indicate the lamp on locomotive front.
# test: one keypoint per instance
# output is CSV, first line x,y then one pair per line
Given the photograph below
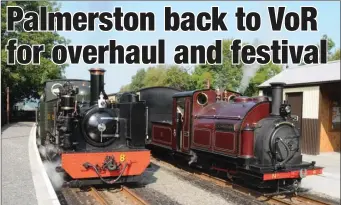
x,y
285,110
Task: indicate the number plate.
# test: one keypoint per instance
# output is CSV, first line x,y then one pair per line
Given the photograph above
x,y
122,157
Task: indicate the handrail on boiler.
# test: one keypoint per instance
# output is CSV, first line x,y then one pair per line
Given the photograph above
x,y
218,117
147,123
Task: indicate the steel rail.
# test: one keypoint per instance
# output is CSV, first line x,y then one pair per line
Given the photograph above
x,y
299,199
310,200
133,195
79,196
98,197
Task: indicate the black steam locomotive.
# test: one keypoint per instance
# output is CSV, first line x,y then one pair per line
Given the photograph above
x,y
97,141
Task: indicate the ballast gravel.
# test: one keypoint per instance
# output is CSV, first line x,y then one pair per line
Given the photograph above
x,y
165,185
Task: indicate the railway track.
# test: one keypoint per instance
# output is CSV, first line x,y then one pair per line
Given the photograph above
x,y
300,199
100,198
274,200
131,194
94,196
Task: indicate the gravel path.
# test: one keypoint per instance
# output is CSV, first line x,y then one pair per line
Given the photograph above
x,y
165,185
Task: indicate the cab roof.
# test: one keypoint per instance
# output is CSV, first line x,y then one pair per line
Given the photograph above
x,y
65,79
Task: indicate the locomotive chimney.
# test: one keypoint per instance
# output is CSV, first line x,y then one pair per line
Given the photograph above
x,y
97,84
277,97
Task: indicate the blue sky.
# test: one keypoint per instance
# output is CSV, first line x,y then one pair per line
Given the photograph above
x,y
118,75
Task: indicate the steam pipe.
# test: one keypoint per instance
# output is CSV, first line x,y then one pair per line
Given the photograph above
x,y
147,123
55,125
277,97
117,127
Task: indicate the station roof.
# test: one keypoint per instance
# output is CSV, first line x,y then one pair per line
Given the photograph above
x,y
307,74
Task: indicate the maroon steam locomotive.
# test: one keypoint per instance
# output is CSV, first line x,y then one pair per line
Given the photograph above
x,y
248,138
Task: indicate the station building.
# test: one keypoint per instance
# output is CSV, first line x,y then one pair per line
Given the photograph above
x,y
114,97
314,92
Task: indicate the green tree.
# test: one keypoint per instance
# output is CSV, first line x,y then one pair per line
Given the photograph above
x,y
335,56
125,88
161,75
225,76
137,81
26,81
177,77
331,43
155,76
263,73
199,77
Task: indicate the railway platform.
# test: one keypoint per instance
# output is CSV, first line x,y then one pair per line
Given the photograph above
x,y
24,179
327,184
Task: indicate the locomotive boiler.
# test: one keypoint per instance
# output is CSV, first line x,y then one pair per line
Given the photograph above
x,y
97,142
250,139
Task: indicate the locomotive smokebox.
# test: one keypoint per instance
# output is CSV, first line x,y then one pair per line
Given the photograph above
x,y
277,97
97,84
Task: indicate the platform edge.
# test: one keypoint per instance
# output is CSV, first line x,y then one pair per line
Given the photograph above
x,y
44,190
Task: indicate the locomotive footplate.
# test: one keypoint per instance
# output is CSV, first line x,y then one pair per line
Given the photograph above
x,y
297,171
288,167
